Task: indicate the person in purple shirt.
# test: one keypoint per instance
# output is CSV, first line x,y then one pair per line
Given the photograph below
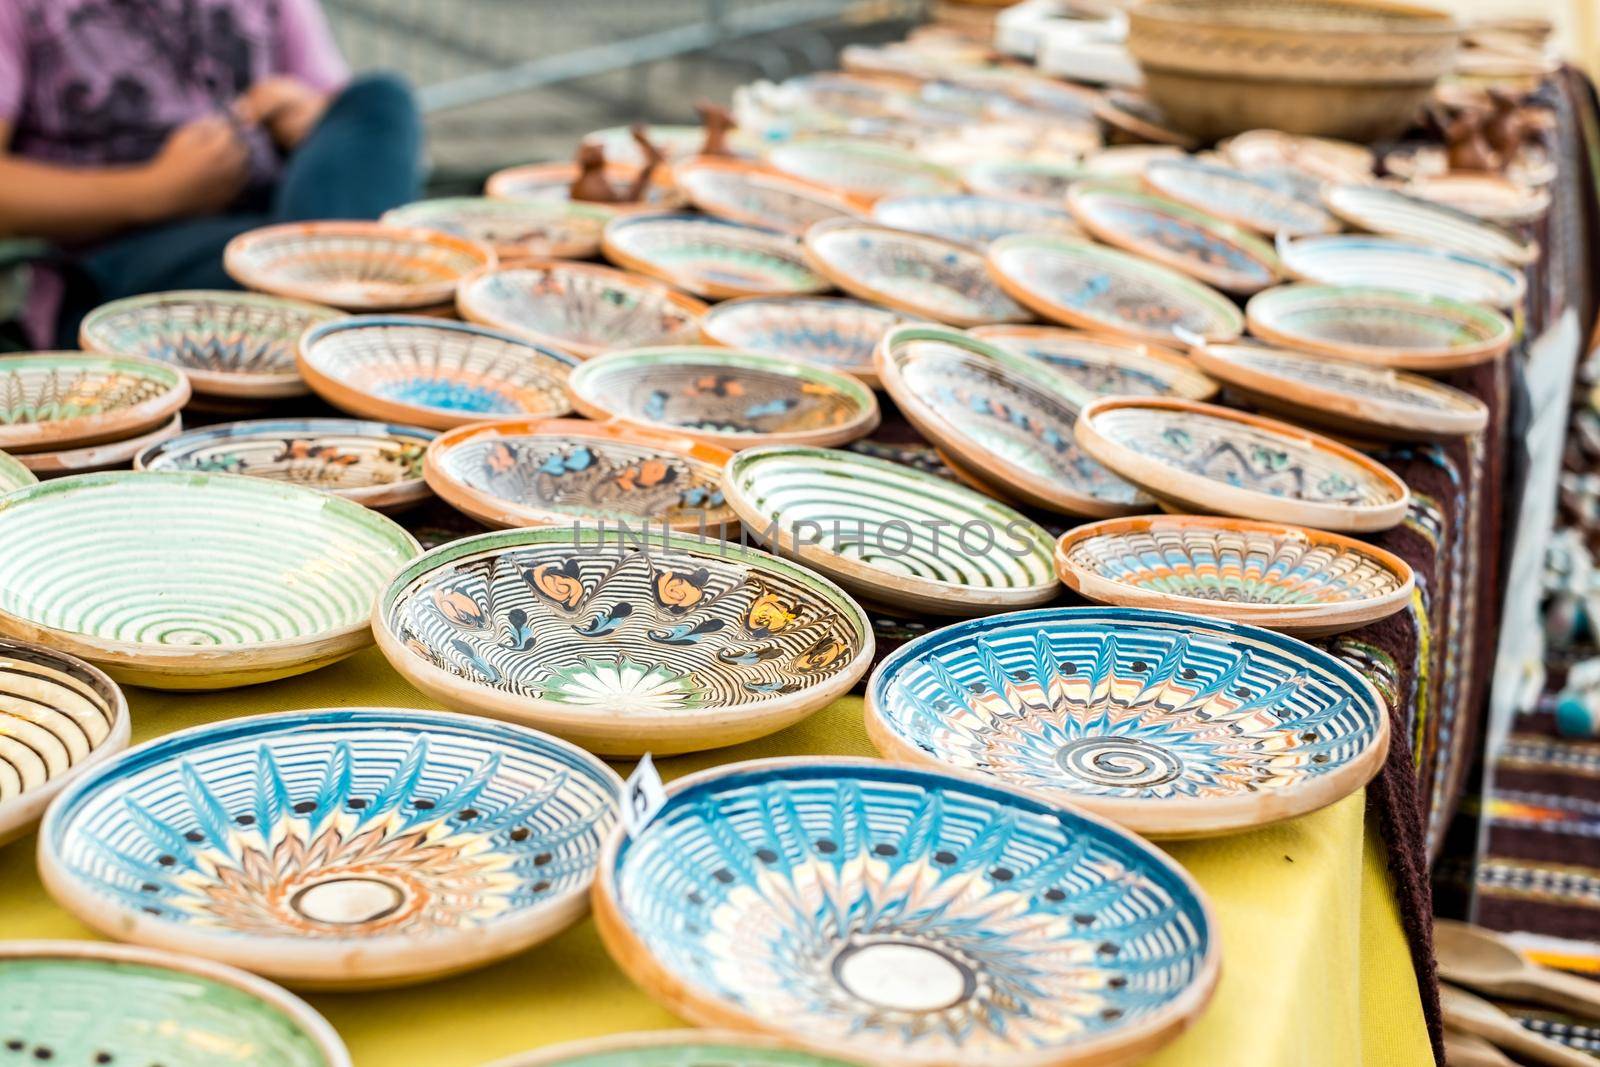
x,y
139,136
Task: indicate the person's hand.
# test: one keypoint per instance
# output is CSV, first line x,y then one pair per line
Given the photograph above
x,y
199,171
288,108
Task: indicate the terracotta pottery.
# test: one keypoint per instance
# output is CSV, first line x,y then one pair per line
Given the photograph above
x,y
861,170
1484,196
1168,723
1320,158
1041,181
724,396
192,580
553,181
1394,263
1379,210
1204,458
426,372
906,916
1353,398
1078,283
238,345
579,307
830,332
711,258
1385,327
623,640
1001,417
674,1048
1247,200
1136,117
753,195
377,464
923,276
1286,578
513,228
110,455
358,266
551,471
1105,364
13,474
55,400
1128,161
972,220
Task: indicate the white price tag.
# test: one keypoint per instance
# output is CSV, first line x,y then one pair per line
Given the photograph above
x,y
642,796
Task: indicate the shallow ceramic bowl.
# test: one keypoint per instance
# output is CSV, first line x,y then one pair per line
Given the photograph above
x,y
1392,263
340,848
831,332
1285,578
1379,210
238,345
1320,158
432,373
579,307
1165,722
191,580
513,228
551,471
1207,459
890,533
971,220
1104,363
755,196
906,916
914,273
373,463
623,640
725,396
553,181
1485,196
1082,284
1039,181
358,266
110,455
1384,327
862,170
14,474
674,1048
1002,418
1249,200
152,1008
711,258
55,400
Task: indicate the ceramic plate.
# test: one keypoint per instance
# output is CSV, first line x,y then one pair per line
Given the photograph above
x,y
190,580
13,474
1103,363
340,848
1351,397
861,169
532,473
1247,200
1168,723
1484,196
377,464
513,228
86,1002
579,307
906,916
623,640
1082,284
830,332
1040,181
1002,417
1219,254
755,196
710,257
726,396
108,456
1391,263
890,533
674,1048
1285,578
1320,158
228,344
972,220
1380,326
923,276
553,181
433,373
1210,459
359,266
55,400
1380,210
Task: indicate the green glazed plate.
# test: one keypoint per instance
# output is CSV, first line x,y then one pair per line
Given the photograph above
x,y
673,1048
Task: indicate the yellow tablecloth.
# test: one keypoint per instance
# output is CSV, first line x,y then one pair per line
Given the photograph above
x,y
1315,968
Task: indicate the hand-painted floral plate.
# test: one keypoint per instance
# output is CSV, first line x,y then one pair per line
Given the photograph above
x,y
433,373
752,195
675,1048
1391,263
832,332
1379,210
14,474
1104,363
534,473
87,1002
1037,181
1286,578
1079,283
711,258
890,533
725,396
1168,723
1352,397
862,170
513,228
553,181
1209,459
920,275
110,455
1247,200
906,916
227,344
580,307
358,266
55,400
335,849
378,464
1003,417
623,640
1384,327
972,220
192,580
1218,253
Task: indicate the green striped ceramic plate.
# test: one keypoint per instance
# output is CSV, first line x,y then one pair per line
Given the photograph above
x,y
13,475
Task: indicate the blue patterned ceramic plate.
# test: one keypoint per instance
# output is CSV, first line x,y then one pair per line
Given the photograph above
x,y
1394,263
1171,724
832,332
906,916
972,220
335,848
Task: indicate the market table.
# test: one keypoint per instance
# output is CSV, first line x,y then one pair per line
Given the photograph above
x,y
1316,970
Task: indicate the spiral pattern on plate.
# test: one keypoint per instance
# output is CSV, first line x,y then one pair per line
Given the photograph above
x,y
1118,762
55,712
1386,211
1393,263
